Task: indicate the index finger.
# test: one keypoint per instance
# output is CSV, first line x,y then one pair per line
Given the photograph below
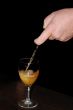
x,y
44,36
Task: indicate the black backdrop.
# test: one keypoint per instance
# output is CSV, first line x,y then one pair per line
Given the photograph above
x,y
21,23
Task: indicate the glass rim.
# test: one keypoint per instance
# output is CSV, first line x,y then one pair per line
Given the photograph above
x,y
24,58
27,59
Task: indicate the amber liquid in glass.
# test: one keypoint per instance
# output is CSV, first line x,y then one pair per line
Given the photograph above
x,y
28,77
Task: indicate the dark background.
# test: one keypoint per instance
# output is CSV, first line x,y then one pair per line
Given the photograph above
x,y
21,23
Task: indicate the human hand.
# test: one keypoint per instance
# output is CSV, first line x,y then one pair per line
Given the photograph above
x,y
58,25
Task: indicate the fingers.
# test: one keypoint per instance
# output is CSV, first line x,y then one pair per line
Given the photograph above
x,y
48,19
47,32
65,38
44,35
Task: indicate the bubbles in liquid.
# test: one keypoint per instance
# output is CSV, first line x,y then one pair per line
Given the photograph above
x,y
28,77
29,72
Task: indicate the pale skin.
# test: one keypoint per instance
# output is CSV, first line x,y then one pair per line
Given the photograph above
x,y
58,25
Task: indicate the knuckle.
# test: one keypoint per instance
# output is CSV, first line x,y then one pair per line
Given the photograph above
x,y
56,35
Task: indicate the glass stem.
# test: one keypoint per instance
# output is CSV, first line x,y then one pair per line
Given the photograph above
x,y
28,95
28,101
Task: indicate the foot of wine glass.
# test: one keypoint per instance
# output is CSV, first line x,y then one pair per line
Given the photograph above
x,y
27,103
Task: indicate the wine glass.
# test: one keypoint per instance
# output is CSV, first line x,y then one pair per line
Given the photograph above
x,y
28,77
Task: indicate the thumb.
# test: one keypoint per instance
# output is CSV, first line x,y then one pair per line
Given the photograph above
x,y
44,35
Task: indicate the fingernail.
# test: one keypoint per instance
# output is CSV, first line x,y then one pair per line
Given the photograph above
x,y
43,27
36,42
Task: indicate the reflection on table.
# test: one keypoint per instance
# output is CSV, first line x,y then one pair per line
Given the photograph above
x,y
11,93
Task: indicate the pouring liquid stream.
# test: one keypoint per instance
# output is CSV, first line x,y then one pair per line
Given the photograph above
x,y
31,59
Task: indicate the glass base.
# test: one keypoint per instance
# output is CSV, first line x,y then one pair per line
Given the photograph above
x,y
27,104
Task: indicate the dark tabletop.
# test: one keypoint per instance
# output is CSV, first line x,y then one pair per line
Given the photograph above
x,y
12,92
